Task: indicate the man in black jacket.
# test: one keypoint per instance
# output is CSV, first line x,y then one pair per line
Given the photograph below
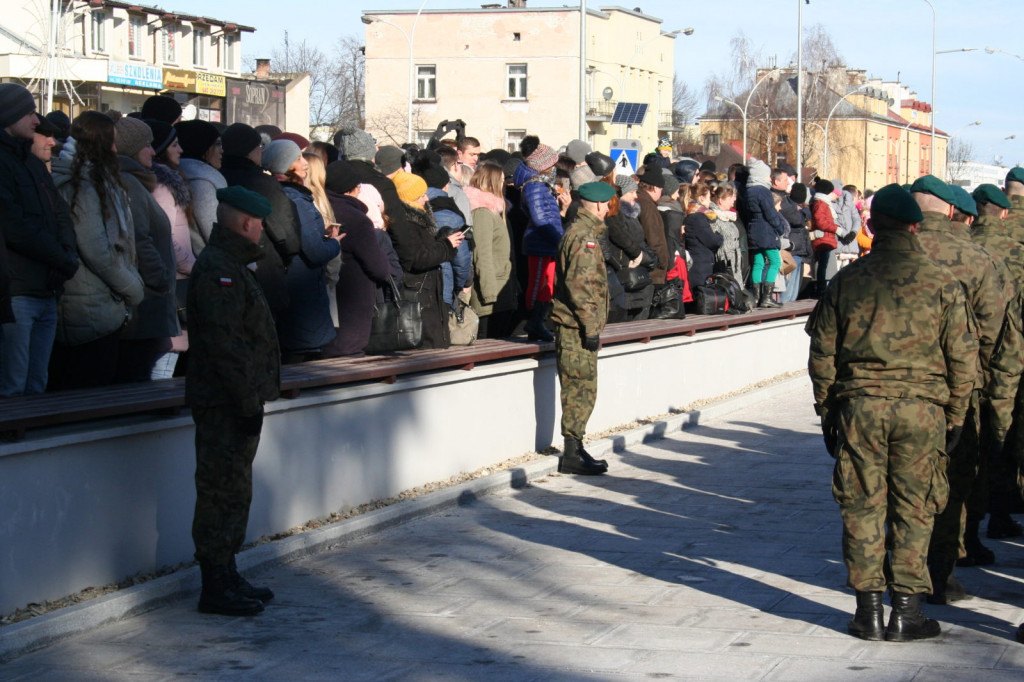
x,y
243,152
39,239
782,183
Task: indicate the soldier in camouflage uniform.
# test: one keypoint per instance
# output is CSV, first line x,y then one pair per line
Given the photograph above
x,y
579,312
950,245
234,367
893,360
1015,192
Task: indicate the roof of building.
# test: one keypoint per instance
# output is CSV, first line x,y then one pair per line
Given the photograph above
x,y
168,14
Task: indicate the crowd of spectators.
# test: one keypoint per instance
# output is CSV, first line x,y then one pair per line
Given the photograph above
x,y
104,216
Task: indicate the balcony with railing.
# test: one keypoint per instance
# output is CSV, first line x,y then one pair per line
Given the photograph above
x,y
600,109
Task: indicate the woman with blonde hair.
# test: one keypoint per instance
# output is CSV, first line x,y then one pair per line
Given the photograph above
x,y
316,177
494,289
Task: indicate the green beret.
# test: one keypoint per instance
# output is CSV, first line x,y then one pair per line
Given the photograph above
x,y
929,184
990,194
596,191
963,201
245,200
906,187
896,202
1016,174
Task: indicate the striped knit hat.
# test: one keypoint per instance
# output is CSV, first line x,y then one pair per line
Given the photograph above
x,y
542,158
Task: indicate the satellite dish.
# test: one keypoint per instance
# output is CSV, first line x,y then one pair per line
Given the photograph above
x,y
607,94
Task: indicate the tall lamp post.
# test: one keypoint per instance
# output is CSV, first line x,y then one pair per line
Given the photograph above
x,y
638,50
931,155
368,19
746,104
829,120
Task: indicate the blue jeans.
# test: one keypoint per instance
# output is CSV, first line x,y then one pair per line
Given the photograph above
x,y
25,345
793,281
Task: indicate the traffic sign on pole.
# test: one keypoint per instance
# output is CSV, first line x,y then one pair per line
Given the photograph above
x,y
626,155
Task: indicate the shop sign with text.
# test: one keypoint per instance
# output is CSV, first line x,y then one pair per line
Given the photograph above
x,y
135,75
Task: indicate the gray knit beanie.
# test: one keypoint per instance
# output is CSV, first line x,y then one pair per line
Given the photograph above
x,y
279,155
626,183
581,176
577,150
131,135
354,144
15,102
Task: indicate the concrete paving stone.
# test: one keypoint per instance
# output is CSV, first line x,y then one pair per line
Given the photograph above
x,y
709,597
683,665
799,645
330,667
641,613
545,607
492,672
651,637
940,651
529,631
965,675
753,621
832,670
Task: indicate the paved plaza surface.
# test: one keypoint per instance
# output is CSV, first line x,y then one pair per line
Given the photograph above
x,y
710,554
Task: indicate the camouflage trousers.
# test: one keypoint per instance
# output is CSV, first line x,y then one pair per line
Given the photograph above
x,y
577,374
890,481
225,447
962,472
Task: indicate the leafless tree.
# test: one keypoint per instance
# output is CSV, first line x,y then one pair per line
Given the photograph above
x,y
958,154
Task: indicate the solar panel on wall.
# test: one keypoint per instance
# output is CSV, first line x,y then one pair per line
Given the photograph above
x,y
630,113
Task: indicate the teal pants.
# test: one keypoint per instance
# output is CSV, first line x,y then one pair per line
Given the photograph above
x,y
766,266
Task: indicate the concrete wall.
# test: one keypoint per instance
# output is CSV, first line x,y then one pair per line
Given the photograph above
x,y
93,504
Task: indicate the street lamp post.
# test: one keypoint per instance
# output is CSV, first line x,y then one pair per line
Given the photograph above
x,y
931,155
368,19
638,50
829,120
746,104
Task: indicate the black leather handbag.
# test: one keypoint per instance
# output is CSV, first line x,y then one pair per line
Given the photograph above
x,y
635,279
397,324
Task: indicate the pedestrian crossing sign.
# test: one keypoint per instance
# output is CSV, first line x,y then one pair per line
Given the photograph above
x,y
626,156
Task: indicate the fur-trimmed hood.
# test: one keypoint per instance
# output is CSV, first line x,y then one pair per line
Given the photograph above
x,y
481,199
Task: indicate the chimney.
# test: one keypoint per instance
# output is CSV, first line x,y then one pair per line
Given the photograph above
x,y
517,4
263,68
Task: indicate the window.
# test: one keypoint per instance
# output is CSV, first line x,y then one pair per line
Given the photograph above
x,y
136,36
170,44
99,34
516,81
229,52
781,139
516,37
426,82
199,36
712,144
781,159
512,140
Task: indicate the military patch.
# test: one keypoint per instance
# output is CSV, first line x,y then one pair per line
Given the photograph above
x,y
591,245
226,282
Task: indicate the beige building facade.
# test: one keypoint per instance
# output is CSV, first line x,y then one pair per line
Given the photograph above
x,y
512,71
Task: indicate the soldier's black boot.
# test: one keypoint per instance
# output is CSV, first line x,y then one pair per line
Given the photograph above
x,y
946,589
907,623
1002,526
587,457
571,462
977,554
220,596
1020,633
245,588
535,329
868,622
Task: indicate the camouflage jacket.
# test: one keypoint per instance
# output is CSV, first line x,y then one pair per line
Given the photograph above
x,y
1007,365
581,280
992,233
978,275
234,360
894,324
1015,220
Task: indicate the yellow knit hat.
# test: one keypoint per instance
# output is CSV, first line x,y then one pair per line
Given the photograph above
x,y
410,186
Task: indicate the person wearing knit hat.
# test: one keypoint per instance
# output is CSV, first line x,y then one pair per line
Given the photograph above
x,y
17,107
435,177
601,164
132,136
31,279
341,177
577,150
411,188
63,123
241,140
542,159
162,108
581,176
949,244
912,335
279,155
389,159
44,140
294,137
626,183
163,135
543,232
201,159
197,139
355,145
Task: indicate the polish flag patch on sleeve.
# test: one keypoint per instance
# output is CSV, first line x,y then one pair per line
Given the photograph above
x,y
591,245
226,282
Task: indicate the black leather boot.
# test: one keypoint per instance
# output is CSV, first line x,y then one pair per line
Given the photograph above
x,y
946,589
977,554
868,622
1002,526
907,623
764,296
571,462
535,329
245,588
587,457
220,596
1020,633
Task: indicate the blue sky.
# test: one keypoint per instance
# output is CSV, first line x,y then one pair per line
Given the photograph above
x,y
887,38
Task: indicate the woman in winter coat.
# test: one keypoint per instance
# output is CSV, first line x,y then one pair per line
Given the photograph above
x,y
823,237
421,253
723,199
201,154
148,335
316,179
625,247
98,301
765,227
494,290
702,243
536,179
363,265
305,326
175,198
800,243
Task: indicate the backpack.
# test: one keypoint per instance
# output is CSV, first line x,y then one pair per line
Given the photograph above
x,y
740,300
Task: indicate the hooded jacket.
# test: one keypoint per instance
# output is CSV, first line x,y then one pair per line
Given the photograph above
x,y
494,290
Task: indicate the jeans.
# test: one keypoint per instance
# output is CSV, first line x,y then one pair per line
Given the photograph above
x,y
793,281
25,345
